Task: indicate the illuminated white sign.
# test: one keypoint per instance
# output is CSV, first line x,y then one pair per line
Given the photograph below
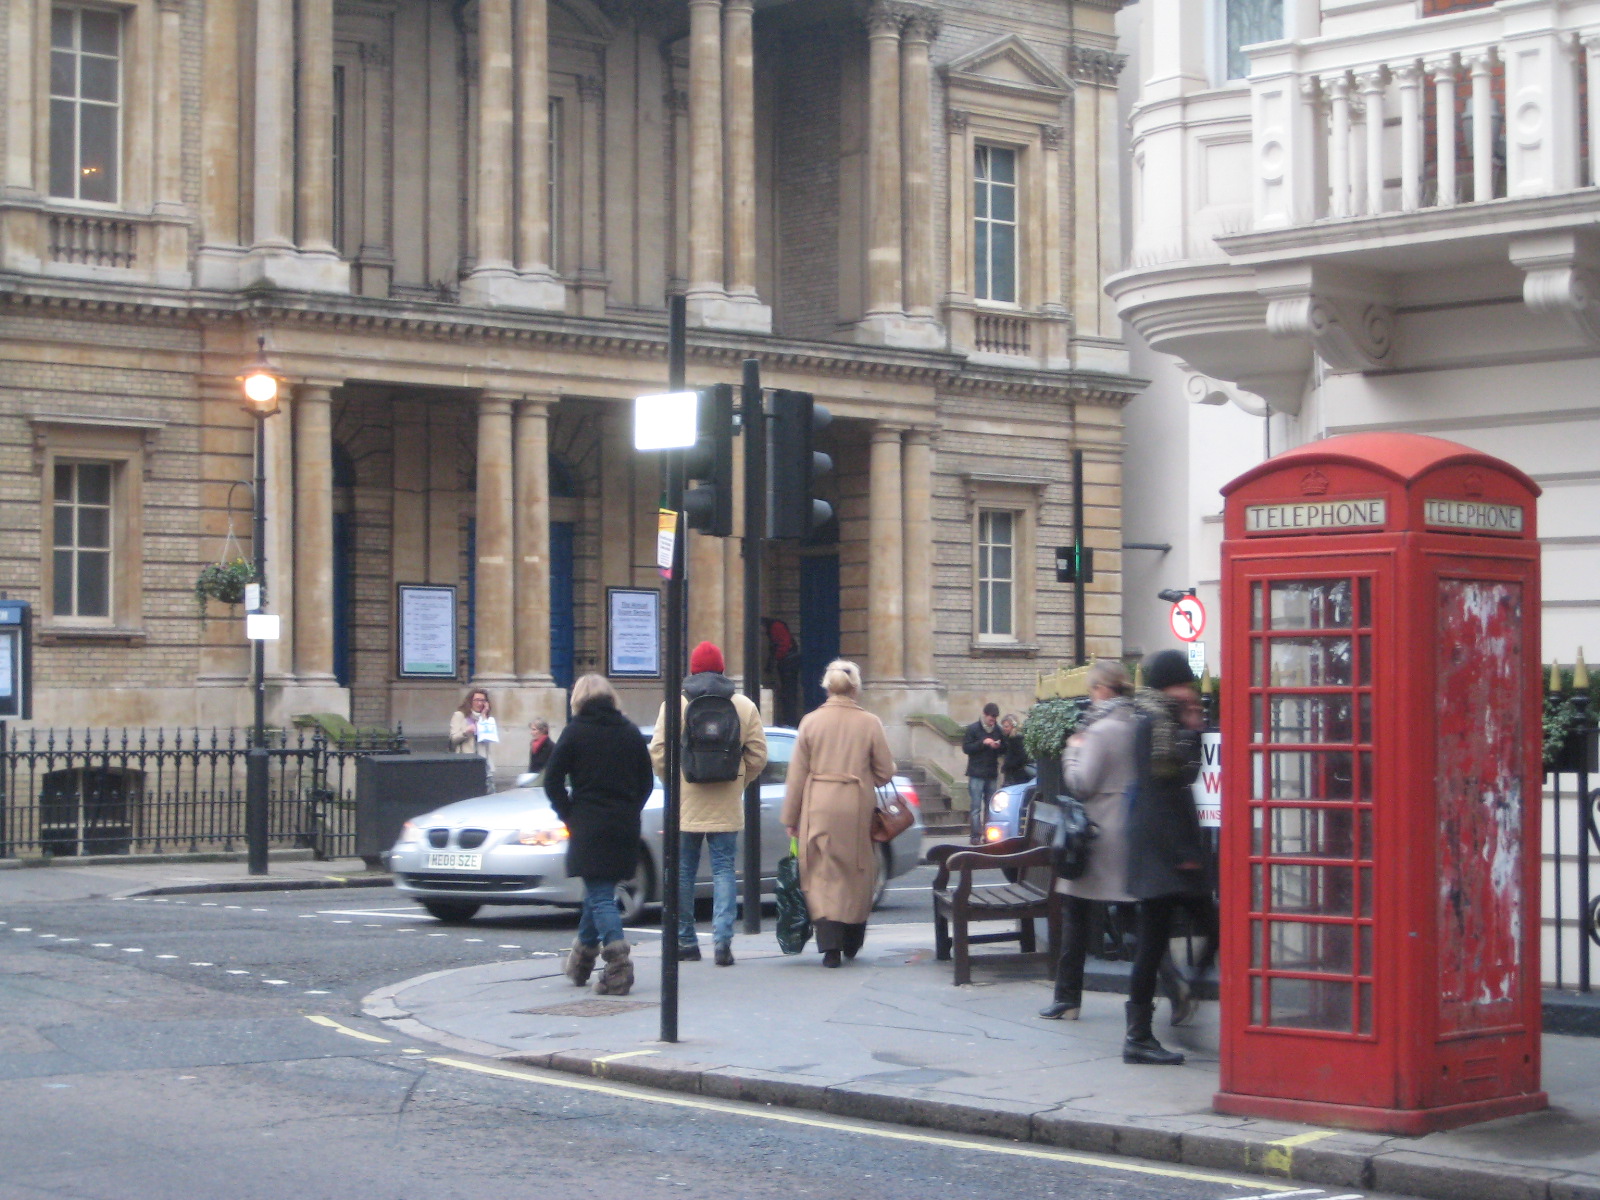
x,y
1474,515
1307,516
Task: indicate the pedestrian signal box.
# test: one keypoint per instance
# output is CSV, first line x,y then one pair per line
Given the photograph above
x,y
16,663
1381,784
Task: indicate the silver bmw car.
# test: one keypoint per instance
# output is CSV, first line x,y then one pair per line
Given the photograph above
x,y
510,848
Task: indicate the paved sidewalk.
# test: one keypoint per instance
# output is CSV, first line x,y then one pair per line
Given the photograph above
x,y
176,875
889,1038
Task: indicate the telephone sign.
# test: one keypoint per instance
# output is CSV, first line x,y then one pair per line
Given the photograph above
x,y
1188,619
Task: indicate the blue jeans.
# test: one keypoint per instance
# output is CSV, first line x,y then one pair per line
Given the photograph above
x,y
599,923
724,887
979,793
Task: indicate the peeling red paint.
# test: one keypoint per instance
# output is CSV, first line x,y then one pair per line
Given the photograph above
x,y
1479,710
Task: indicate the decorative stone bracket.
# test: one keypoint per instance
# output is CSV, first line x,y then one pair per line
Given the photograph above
x,y
1348,316
1562,278
1202,389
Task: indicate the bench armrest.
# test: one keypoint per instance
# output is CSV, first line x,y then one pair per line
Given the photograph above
x,y
966,863
941,855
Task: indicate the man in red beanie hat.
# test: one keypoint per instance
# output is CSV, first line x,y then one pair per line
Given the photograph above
x,y
724,746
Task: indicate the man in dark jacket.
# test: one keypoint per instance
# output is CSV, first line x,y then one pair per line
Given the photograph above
x,y
984,746
1166,850
598,780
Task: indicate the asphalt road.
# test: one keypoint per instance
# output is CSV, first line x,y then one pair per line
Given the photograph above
x,y
212,1047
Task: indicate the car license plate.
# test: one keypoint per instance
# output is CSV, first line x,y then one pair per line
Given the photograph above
x,y
451,860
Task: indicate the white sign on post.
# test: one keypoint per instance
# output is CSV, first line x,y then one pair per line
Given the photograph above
x,y
1187,619
635,632
1197,658
261,627
1208,787
427,639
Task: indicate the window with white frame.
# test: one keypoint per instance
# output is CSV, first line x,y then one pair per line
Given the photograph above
x,y
997,574
82,544
994,221
1246,22
85,103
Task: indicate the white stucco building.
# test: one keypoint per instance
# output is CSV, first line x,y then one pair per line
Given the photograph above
x,y
1353,215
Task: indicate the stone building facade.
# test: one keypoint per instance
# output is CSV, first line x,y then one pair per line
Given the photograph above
x,y
456,225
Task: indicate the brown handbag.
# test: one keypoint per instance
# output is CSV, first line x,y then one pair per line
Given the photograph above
x,y
892,816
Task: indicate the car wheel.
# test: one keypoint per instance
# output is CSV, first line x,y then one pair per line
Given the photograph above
x,y
452,912
881,884
633,894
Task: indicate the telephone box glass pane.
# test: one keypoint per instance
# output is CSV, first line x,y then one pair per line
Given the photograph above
x,y
1321,718
1365,932
1312,890
1364,607
1311,1004
1311,833
1303,946
1311,604
1303,775
1255,606
1311,662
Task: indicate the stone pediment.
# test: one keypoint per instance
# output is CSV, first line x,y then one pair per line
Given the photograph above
x,y
1008,65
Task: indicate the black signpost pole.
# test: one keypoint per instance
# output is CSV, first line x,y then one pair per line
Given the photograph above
x,y
1080,639
755,528
672,688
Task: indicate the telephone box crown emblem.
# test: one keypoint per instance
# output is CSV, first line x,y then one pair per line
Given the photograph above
x,y
1314,482
1473,483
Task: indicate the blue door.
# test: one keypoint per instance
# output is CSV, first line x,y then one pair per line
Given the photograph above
x,y
561,639
819,623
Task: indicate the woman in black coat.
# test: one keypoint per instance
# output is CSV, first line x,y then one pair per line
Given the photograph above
x,y
1166,850
598,780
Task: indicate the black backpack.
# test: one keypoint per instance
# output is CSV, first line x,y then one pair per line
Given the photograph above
x,y
713,740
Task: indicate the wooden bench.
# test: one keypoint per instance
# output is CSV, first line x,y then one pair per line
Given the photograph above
x,y
1024,892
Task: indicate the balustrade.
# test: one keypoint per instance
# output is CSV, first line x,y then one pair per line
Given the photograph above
x,y
92,240
1444,112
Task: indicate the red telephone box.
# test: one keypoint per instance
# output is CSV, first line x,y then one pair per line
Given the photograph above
x,y
1381,780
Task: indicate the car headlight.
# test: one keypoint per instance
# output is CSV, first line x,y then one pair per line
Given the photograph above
x,y
1000,802
539,837
411,832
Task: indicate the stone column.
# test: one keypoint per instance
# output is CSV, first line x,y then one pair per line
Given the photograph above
x,y
705,151
885,567
739,130
493,625
1054,294
591,212
495,155
314,105
883,160
274,126
217,260
532,537
169,133
313,533
533,139
916,136
708,591
917,504
24,55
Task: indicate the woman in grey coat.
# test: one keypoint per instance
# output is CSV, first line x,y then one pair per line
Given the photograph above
x,y
1098,767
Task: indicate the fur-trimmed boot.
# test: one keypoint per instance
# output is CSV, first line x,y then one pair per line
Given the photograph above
x,y
616,977
580,963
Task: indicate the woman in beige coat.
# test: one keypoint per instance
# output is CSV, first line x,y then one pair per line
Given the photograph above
x,y
840,759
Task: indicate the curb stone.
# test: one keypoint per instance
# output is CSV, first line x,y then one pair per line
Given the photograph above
x,y
1222,1148
261,885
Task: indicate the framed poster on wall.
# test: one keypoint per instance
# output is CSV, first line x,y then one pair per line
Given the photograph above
x,y
633,633
427,641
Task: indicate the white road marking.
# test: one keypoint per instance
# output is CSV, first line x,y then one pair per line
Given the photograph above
x,y
22,929
315,992
199,964
275,982
237,972
166,956
208,904
133,949
507,947
66,939
102,945
407,913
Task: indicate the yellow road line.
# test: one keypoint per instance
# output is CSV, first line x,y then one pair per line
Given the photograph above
x,y
790,1118
318,1019
1301,1139
626,1054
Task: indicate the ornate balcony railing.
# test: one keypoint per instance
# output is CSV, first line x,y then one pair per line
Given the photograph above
x,y
1487,104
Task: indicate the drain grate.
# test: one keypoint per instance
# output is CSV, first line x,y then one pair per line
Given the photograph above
x,y
588,1008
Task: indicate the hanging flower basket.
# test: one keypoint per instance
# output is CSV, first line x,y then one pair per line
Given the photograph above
x,y
224,581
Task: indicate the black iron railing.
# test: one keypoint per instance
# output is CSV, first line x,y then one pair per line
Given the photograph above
x,y
78,792
1572,870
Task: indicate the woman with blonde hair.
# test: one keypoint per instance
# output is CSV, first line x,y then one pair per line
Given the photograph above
x,y
474,717
598,780
841,757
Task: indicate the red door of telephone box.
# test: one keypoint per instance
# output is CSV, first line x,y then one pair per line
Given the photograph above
x,y
1381,782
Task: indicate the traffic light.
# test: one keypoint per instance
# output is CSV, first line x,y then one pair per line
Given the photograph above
x,y
1074,564
708,505
795,465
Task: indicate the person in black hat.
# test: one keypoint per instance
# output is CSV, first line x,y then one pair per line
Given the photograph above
x,y
1166,851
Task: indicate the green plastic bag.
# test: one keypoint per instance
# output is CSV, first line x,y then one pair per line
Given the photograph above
x,y
794,920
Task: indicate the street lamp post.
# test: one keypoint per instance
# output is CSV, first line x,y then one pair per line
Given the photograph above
x,y
260,384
